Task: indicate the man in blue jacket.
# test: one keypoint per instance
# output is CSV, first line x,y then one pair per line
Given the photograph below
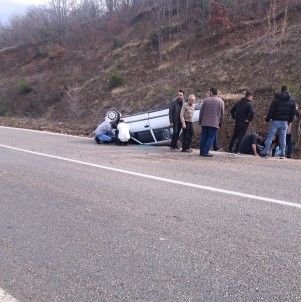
x,y
282,112
242,112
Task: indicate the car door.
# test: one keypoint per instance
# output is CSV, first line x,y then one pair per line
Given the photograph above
x,y
159,125
140,128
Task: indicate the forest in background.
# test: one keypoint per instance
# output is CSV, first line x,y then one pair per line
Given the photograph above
x,y
77,23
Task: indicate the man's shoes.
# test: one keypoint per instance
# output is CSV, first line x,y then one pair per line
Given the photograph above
x,y
207,155
178,148
172,149
288,156
189,150
264,155
282,156
232,153
97,140
186,151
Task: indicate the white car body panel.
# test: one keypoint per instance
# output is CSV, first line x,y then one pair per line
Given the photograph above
x,y
153,127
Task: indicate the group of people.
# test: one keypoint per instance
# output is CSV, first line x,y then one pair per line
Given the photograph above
x,y
110,131
283,116
284,122
210,118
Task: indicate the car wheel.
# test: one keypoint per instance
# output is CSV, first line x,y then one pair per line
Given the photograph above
x,y
113,115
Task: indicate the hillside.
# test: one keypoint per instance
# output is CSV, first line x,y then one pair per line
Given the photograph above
x,y
70,88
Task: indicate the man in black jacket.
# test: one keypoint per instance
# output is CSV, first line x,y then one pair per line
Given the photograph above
x,y
174,118
281,112
242,112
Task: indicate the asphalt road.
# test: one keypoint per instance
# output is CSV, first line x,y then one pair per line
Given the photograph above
x,y
87,222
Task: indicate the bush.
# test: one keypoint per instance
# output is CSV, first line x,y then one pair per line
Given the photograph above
x,y
117,43
4,111
115,79
117,65
24,86
153,39
51,50
170,92
42,52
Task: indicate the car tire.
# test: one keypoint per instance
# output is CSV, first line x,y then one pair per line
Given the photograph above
x,y
113,115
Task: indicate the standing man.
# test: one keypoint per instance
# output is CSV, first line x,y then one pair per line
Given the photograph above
x,y
242,112
211,118
186,116
282,112
174,118
292,138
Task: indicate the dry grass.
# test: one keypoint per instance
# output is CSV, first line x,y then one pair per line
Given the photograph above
x,y
235,63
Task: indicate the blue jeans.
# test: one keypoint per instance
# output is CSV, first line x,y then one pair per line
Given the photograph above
x,y
215,145
290,145
281,127
207,138
104,138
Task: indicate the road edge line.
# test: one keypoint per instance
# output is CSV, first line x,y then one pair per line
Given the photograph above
x,y
212,189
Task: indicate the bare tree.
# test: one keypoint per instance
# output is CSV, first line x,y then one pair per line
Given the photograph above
x,y
58,11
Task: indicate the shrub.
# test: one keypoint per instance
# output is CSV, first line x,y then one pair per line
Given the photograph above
x,y
118,65
170,92
42,52
117,43
153,39
115,79
24,86
4,111
51,50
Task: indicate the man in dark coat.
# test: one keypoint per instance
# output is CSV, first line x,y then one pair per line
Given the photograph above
x,y
174,118
282,112
242,112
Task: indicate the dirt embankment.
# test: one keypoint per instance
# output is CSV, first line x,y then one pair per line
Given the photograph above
x,y
70,90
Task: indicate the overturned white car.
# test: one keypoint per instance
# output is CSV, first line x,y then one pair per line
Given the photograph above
x,y
151,127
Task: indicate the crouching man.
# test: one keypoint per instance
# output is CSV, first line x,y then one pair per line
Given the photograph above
x,y
104,132
251,143
123,133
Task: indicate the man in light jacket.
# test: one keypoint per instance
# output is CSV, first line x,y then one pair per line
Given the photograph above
x,y
104,132
123,132
186,116
211,118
